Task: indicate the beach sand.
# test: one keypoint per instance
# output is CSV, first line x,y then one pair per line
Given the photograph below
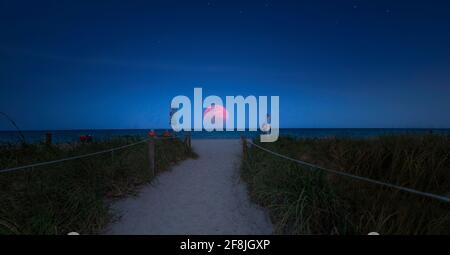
x,y
198,196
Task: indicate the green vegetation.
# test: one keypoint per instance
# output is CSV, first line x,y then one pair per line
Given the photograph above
x,y
75,195
313,202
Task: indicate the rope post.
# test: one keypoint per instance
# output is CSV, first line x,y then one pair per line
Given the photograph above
x,y
244,147
189,141
48,139
151,155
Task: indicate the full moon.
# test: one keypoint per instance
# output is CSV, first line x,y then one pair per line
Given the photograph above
x,y
216,111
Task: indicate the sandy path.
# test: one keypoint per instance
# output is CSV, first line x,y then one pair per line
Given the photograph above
x,y
202,196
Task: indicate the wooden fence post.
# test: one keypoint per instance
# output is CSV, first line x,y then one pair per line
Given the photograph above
x,y
152,155
244,147
189,141
48,139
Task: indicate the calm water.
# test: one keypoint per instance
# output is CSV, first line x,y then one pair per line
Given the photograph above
x,y
63,136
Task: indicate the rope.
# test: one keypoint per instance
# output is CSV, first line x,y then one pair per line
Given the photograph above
x,y
81,156
356,177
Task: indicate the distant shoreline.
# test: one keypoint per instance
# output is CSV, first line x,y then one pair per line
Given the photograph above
x,y
302,128
69,136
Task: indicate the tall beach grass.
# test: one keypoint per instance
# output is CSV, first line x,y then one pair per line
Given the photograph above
x,y
302,200
75,195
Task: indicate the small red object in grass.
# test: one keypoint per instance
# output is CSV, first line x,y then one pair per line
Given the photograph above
x,y
167,134
152,133
85,138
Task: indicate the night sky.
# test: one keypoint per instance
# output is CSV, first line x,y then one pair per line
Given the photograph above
x,y
118,64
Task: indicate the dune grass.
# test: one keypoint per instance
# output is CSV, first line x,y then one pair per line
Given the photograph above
x,y
302,201
74,195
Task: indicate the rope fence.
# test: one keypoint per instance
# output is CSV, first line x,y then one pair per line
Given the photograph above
x,y
352,176
150,141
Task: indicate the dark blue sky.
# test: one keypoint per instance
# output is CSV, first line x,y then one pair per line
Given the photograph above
x,y
117,64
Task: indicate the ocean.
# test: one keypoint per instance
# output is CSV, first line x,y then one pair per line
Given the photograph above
x,y
67,136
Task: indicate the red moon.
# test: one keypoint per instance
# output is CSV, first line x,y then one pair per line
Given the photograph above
x,y
216,110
